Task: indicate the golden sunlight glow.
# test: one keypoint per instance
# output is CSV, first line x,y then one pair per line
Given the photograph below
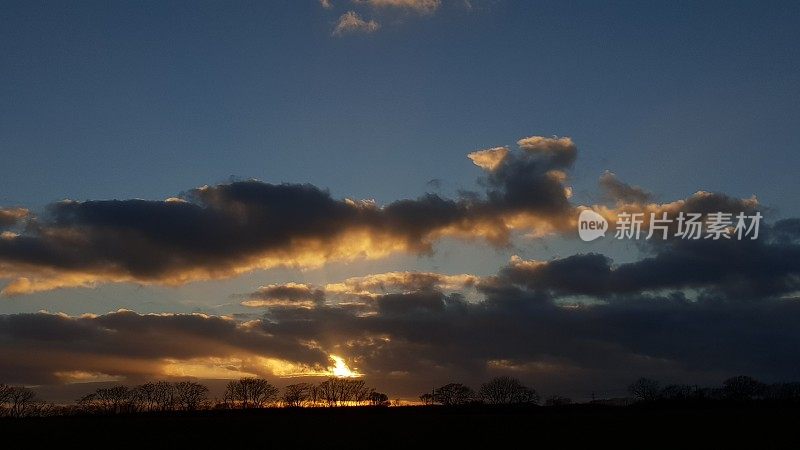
x,y
340,369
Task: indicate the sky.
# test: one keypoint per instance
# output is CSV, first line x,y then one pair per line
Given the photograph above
x,y
217,189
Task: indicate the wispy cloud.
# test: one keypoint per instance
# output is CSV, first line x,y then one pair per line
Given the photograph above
x,y
350,22
420,6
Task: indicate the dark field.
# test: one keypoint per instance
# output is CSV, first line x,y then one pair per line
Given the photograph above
x,y
641,426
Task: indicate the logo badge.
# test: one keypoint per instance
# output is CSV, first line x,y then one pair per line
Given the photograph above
x,y
591,225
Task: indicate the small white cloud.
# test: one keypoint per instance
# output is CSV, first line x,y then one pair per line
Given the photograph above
x,y
420,6
326,4
351,22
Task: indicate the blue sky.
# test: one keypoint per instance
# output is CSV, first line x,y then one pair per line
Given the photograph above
x,y
148,99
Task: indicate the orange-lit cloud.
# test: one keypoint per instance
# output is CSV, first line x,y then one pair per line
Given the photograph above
x,y
490,158
221,231
579,316
352,22
12,216
215,232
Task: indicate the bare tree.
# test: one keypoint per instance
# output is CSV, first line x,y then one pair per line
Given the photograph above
x,y
113,400
5,396
357,391
250,393
328,392
164,396
426,398
453,394
507,390
21,401
342,391
296,395
676,392
378,399
782,392
742,387
144,397
189,395
644,389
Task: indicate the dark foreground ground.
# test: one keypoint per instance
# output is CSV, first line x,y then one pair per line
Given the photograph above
x,y
639,426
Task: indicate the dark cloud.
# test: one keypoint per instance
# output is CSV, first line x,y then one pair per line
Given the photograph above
x,y
220,231
691,311
53,348
766,266
290,294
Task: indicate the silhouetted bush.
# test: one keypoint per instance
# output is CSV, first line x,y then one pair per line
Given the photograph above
x,y
507,390
742,387
453,394
644,389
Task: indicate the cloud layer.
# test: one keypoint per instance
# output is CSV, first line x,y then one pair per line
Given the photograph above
x,y
220,231
693,311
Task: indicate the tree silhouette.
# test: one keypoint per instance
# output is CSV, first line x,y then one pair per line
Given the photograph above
x,y
426,398
507,390
378,399
5,396
742,387
296,395
145,397
782,392
113,400
341,391
453,394
250,393
18,401
190,395
164,395
676,392
644,389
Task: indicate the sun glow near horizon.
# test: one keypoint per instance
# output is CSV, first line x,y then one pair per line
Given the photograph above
x,y
341,370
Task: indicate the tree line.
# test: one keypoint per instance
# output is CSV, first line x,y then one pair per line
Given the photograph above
x,y
738,388
165,396
499,390
251,392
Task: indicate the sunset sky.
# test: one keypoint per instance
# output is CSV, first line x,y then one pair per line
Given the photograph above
x,y
390,189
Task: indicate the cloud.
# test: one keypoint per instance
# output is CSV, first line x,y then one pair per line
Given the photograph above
x,y
562,151
220,231
398,282
730,269
420,6
581,320
40,348
620,191
12,216
694,311
285,295
351,22
326,4
490,158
